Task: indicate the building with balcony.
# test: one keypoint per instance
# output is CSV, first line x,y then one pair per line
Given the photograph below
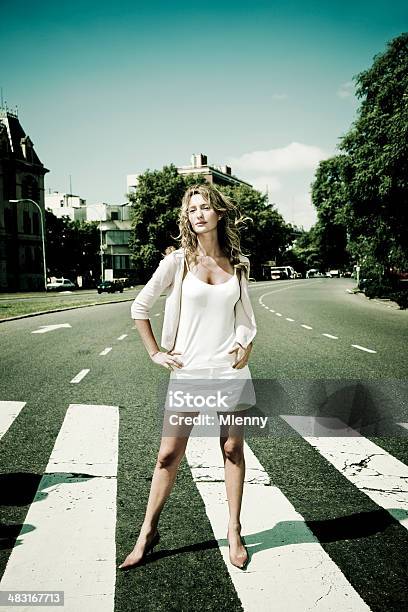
x,y
114,227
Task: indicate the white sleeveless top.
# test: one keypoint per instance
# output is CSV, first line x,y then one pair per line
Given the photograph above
x,y
206,330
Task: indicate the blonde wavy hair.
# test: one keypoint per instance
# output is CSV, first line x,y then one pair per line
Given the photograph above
x,y
228,226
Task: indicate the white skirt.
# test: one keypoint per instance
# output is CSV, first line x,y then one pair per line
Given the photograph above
x,y
210,389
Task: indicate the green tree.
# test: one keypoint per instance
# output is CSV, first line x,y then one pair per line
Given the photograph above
x,y
376,163
306,250
267,236
155,206
329,198
72,247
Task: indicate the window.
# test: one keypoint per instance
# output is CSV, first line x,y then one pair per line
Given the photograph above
x,y
122,262
36,224
10,223
30,189
117,237
26,222
28,259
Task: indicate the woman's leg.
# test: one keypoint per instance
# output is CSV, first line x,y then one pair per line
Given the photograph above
x,y
232,447
171,452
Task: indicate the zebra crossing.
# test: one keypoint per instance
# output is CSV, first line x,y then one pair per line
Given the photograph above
x,y
67,541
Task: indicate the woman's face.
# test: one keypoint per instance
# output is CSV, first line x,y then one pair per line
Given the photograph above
x,y
202,217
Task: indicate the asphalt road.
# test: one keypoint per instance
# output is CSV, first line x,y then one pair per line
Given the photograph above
x,y
292,318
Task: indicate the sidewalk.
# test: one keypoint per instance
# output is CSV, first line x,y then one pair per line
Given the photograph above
x,y
384,301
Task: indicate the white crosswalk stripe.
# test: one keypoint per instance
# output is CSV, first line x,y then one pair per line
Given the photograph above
x,y
289,570
379,475
68,538
8,412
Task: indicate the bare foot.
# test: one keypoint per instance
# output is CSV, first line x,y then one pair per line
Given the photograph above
x,y
237,551
144,544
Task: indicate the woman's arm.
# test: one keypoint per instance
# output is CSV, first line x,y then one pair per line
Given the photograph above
x,y
162,279
167,360
245,324
144,328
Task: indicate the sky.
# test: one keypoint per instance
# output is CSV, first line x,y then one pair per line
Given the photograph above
x,y
107,89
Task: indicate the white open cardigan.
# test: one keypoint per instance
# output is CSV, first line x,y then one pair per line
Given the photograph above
x,y
168,278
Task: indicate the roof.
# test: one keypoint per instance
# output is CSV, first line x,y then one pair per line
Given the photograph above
x,y
20,145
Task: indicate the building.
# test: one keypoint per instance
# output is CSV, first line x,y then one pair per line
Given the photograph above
x,y
218,175
21,176
66,204
115,226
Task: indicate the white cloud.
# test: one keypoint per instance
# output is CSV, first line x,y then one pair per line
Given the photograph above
x,y
346,90
293,157
286,173
262,182
279,96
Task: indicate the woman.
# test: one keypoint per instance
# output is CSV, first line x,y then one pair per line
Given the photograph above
x,y
209,321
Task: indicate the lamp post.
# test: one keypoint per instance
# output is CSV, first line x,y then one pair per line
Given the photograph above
x,y
42,234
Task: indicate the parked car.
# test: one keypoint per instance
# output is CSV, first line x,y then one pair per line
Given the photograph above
x,y
282,272
61,284
334,273
278,274
312,273
110,286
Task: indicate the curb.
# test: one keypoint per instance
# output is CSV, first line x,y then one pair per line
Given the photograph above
x,y
385,302
34,314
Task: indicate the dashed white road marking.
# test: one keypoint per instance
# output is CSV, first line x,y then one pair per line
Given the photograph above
x,y
357,346
8,412
72,519
122,337
106,350
46,328
379,475
80,376
288,569
363,348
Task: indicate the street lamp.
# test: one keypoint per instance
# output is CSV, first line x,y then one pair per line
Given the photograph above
x,y
42,234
